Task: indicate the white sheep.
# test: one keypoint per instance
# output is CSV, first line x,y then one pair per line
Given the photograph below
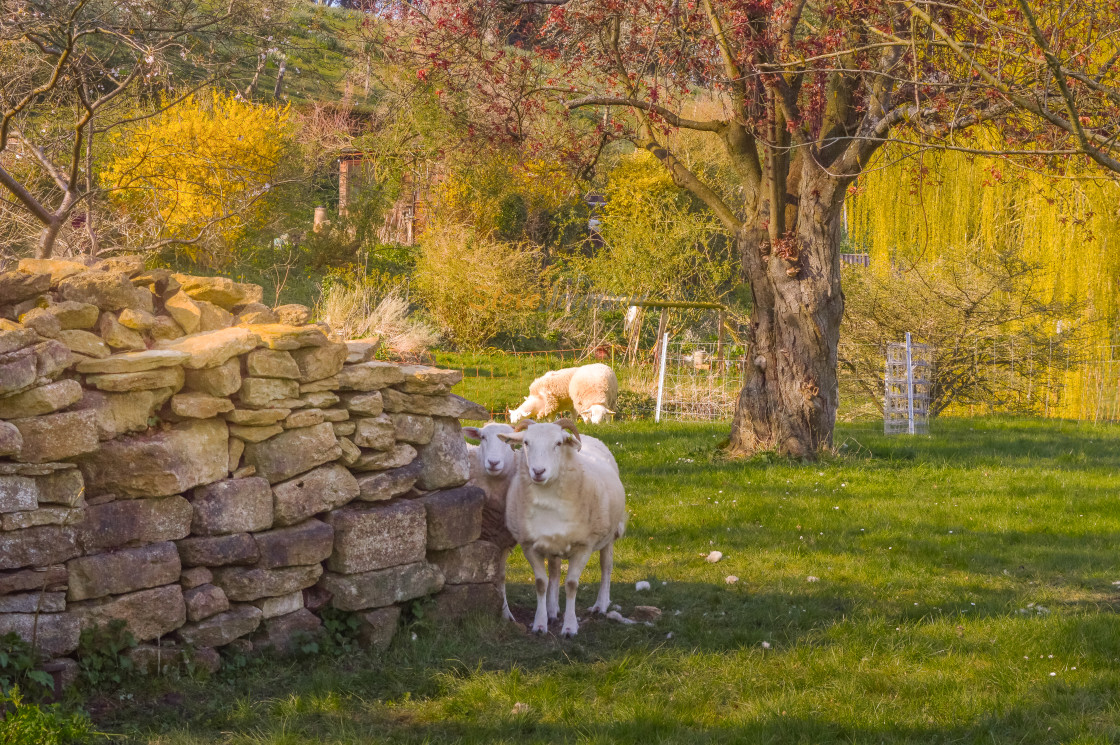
x,y
493,463
565,501
588,392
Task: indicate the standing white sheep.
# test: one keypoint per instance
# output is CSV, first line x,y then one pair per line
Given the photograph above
x,y
565,502
493,464
589,392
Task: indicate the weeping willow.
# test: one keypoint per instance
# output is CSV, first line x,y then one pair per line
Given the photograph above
x,y
915,207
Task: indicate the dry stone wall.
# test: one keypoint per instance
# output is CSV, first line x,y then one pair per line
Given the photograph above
x,y
177,455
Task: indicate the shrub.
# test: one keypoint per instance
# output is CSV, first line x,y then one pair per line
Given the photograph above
x,y
476,287
26,723
357,307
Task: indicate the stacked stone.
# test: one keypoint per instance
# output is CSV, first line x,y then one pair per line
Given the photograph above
x,y
179,459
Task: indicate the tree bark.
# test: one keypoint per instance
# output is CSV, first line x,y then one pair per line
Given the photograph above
x,y
790,395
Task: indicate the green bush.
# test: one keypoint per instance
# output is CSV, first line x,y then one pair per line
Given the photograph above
x,y
30,724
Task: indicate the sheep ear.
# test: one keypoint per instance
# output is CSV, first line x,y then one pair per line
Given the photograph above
x,y
512,438
472,432
570,439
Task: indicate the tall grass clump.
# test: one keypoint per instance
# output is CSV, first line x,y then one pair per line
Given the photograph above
x,y
358,307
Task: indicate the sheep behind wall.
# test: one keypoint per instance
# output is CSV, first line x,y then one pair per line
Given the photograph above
x,y
589,391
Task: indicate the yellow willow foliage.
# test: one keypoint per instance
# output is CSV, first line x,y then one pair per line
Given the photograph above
x,y
935,206
209,162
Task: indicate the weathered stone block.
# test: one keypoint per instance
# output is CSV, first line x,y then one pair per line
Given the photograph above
x,y
223,380
382,587
205,601
41,516
304,418
293,452
51,358
367,404
280,606
384,485
457,602
362,350
254,434
271,363
62,487
320,386
473,563
444,461
378,627
445,406
377,433
307,543
17,373
322,489
195,577
134,521
320,400
73,315
165,462
316,363
164,377
219,630
211,349
232,506
151,359
213,318
293,314
148,614
33,602
369,376
351,453
428,380
45,399
53,634
283,633
257,417
11,441
106,290
260,392
243,584
117,335
117,414
221,291
37,579
123,571
216,551
185,311
195,405
57,436
454,517
413,428
284,337
376,537
18,493
382,460
47,544
16,287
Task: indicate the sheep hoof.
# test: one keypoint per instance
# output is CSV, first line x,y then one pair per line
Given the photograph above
x,y
541,629
596,609
568,633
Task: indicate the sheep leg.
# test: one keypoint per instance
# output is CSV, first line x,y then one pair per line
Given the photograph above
x,y
540,575
606,563
576,563
553,588
503,558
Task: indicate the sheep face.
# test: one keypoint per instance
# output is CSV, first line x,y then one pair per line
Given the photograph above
x,y
597,414
545,448
494,456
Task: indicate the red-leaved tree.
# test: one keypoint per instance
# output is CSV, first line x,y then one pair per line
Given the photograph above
x,y
807,90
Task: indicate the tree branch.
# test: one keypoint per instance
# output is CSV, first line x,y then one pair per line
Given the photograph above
x,y
669,116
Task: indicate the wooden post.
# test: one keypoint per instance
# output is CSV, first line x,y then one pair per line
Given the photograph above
x,y
719,342
661,331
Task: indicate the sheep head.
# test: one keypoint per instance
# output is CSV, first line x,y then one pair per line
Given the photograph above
x,y
545,447
495,456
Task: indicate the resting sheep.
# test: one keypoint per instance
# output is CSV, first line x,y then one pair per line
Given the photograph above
x,y
588,392
565,501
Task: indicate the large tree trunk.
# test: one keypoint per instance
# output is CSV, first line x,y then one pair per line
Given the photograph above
x,y
789,399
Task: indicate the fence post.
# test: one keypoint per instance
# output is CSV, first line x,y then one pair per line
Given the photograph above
x,y
909,385
661,376
662,324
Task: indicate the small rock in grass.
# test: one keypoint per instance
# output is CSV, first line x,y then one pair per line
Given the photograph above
x,y
714,556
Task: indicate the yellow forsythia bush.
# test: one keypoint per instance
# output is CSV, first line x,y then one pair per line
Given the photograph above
x,y
209,163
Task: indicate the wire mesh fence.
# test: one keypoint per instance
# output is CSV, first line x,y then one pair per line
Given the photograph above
x,y
703,380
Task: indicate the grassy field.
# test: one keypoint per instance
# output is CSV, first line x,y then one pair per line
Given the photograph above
x,y
956,588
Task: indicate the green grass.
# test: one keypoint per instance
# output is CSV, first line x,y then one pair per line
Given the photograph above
x,y
964,595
